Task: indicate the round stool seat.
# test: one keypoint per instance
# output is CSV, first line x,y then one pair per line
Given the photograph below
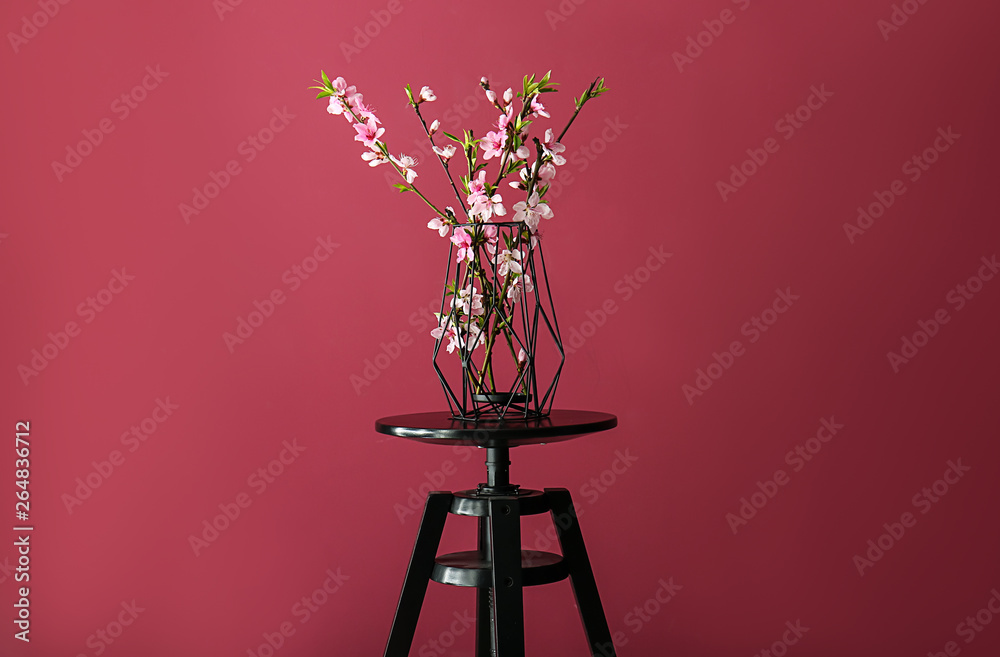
x,y
440,428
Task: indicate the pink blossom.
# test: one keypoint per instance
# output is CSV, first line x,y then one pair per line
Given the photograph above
x,y
521,283
509,262
493,144
532,211
447,328
474,337
341,85
552,148
522,152
545,174
477,185
491,238
482,204
368,133
469,300
362,110
336,107
504,119
491,96
434,126
537,109
522,357
466,334
441,227
351,94
374,158
486,206
426,95
463,241
406,164
445,153
508,96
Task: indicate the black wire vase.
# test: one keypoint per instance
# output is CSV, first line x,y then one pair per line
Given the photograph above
x,y
497,325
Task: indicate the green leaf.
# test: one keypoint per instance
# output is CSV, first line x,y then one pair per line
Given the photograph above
x,y
326,80
401,187
323,94
452,137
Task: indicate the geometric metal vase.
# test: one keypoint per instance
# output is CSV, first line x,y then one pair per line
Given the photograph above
x,y
498,353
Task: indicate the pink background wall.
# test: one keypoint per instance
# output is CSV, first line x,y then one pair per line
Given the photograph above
x,y
154,356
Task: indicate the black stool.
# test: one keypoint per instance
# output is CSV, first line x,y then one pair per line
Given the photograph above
x,y
498,568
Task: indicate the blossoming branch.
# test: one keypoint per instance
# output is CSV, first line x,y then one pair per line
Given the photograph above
x,y
489,291
507,143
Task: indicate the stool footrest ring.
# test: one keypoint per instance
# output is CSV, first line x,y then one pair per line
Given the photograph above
x,y
472,568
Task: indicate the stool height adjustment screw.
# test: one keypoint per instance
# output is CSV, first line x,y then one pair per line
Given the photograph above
x,y
498,473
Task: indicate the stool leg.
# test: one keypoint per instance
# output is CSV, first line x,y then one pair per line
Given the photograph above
x,y
484,599
595,624
508,596
418,573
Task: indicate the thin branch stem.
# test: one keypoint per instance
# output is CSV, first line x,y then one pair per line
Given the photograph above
x,y
385,151
444,163
583,101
